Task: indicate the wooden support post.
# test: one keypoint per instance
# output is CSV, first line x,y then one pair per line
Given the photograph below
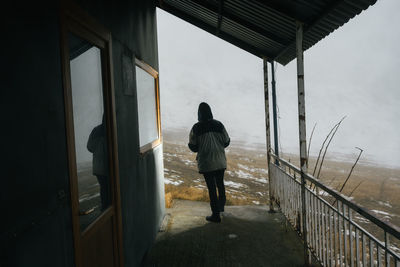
x,y
267,130
274,113
302,130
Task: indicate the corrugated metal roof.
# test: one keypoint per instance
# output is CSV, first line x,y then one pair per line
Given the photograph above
x,y
267,28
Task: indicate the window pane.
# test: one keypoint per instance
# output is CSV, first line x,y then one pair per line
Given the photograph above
x,y
89,129
148,129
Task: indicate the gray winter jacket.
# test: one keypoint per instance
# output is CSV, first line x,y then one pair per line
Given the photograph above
x,y
97,144
209,139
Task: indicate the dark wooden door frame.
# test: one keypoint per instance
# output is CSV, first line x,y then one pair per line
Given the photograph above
x,y
75,20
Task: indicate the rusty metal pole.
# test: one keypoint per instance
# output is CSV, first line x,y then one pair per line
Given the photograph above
x,y
267,130
274,113
302,130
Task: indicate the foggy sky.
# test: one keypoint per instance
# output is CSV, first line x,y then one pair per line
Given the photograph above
x,y
353,72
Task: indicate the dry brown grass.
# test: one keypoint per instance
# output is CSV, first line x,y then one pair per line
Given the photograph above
x,y
196,194
168,200
183,192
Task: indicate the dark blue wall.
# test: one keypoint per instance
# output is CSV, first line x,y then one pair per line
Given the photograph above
x,y
37,230
36,214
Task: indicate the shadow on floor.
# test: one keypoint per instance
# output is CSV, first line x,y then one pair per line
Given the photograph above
x,y
247,236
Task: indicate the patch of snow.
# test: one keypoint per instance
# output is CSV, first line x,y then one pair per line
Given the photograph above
x,y
323,193
387,204
168,181
361,219
260,193
170,155
242,174
229,173
188,162
381,212
238,197
352,233
395,249
255,170
174,176
261,180
256,202
243,167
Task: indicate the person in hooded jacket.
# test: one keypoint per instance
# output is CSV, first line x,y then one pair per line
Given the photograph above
x,y
97,144
209,139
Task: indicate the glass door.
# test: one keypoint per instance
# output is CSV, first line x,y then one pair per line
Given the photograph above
x,y
91,136
90,130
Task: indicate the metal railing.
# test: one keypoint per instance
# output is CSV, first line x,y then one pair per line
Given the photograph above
x,y
333,222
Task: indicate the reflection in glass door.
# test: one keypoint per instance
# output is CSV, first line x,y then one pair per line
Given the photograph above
x,y
91,139
90,130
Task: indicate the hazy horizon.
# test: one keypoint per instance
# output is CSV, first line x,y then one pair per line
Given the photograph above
x,y
352,73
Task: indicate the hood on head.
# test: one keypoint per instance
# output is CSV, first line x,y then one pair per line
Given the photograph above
x,y
204,113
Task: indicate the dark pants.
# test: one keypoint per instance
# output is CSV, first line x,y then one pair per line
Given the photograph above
x,y
105,195
216,179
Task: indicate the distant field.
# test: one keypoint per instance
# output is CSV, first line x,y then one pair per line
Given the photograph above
x,y
246,178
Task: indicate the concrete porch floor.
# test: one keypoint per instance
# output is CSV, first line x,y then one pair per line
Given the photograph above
x,y
247,236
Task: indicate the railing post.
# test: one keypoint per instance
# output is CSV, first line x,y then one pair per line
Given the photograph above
x,y
302,130
387,258
274,113
267,130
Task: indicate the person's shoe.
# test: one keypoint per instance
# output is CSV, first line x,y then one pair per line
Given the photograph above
x,y
214,218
